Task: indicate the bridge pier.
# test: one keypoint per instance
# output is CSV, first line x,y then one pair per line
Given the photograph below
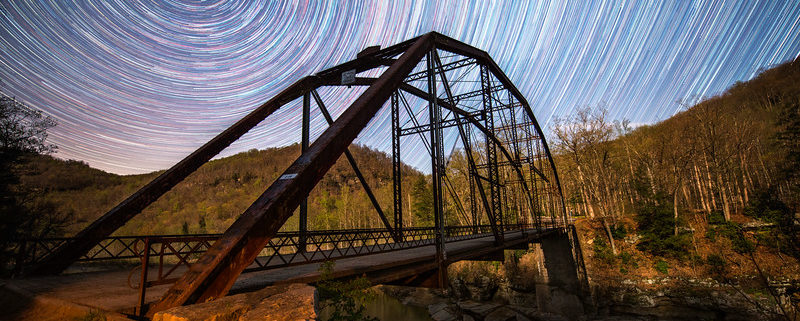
x,y
558,287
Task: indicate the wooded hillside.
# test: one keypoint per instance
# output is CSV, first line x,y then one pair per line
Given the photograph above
x,y
209,200
714,188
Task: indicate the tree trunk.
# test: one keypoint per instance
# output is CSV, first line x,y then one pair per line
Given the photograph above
x,y
726,211
700,189
675,208
710,186
652,181
610,236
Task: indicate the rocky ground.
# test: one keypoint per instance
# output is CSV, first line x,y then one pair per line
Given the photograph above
x,y
705,300
494,291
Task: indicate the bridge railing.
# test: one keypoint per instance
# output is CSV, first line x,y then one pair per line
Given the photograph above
x,y
160,259
282,250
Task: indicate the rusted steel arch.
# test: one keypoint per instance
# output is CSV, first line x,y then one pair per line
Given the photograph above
x,y
115,218
460,48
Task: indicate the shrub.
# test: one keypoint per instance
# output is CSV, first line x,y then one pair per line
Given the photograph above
x,y
716,217
656,225
628,261
733,231
766,206
618,231
661,266
346,299
602,251
716,264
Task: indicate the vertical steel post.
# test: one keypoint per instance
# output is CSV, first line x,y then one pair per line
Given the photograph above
x,y
491,155
471,173
437,169
143,281
303,219
533,156
397,167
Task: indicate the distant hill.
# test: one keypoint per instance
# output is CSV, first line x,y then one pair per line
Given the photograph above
x,y
210,199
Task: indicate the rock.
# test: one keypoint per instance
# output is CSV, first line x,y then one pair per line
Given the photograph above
x,y
284,302
501,314
433,308
227,308
633,238
295,304
477,309
444,315
442,312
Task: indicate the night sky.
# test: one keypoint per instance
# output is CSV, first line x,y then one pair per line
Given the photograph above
x,y
137,85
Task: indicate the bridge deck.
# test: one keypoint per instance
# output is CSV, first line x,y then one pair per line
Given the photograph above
x,y
108,290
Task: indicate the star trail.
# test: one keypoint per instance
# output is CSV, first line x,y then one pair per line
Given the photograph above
x,y
138,85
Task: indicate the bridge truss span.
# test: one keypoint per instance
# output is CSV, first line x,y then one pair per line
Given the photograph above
x,y
447,105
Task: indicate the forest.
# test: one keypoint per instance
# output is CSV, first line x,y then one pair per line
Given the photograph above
x,y
713,191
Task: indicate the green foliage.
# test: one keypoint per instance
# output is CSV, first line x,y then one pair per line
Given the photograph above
x,y
347,300
627,261
716,217
618,231
661,266
716,265
602,251
422,196
765,205
733,232
23,212
656,224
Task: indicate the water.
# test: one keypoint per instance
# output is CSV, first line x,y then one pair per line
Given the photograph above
x,y
386,308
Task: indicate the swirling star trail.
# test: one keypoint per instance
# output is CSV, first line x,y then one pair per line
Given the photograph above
x,y
138,85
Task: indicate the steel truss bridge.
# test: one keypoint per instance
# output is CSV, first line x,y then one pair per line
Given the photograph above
x,y
440,94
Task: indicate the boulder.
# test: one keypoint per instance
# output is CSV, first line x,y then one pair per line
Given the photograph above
x,y
281,302
477,309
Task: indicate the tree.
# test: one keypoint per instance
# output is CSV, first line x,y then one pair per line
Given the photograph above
x,y
23,133
422,207
587,140
788,139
